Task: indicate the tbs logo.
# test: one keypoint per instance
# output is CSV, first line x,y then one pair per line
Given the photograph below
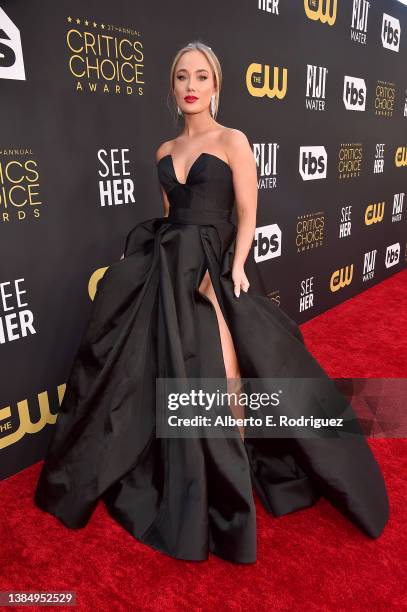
x,y
354,93
390,32
11,53
392,255
313,163
267,242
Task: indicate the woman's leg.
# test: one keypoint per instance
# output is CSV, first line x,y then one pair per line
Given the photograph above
x,y
229,354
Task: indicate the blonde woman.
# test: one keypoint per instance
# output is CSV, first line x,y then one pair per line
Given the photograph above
x,y
178,306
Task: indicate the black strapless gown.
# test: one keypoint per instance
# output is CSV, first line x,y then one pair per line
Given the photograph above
x,y
181,496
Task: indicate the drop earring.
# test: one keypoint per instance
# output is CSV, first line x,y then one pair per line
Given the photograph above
x,y
213,105
179,111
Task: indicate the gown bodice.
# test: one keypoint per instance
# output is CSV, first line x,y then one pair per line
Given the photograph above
x,y
207,194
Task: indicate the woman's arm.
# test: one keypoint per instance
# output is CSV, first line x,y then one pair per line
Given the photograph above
x,y
244,170
162,150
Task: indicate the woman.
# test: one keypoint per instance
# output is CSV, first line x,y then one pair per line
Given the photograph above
x,y
177,306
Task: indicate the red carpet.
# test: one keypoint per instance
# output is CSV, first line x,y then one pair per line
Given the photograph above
x,y
314,559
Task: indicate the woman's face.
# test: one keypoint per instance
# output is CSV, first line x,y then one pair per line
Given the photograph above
x,y
193,82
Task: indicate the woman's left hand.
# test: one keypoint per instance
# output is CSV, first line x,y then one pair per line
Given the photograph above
x,y
239,278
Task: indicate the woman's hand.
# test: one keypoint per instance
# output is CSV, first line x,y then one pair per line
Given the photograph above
x,y
239,278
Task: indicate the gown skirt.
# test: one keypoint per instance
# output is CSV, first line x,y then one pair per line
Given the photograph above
x,y
188,496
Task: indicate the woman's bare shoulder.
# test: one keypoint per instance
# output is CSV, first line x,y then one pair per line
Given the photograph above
x,y
235,144
164,149
234,137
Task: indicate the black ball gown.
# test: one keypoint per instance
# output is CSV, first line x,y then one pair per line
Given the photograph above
x,y
186,497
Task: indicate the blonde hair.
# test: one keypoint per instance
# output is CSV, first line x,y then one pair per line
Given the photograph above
x,y
213,62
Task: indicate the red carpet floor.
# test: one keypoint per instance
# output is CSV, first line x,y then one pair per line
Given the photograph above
x,y
313,559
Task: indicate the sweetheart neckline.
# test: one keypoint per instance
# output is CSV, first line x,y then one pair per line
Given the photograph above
x,y
193,164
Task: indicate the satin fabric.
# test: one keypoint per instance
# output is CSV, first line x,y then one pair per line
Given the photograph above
x,y
186,497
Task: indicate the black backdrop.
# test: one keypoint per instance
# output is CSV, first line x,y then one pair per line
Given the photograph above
x,y
327,230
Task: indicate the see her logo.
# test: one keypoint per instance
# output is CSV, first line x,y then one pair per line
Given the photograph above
x,y
11,52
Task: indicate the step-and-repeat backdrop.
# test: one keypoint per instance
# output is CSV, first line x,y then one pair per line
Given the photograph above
x,y
318,86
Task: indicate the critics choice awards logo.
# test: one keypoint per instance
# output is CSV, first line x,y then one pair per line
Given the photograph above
x,y
20,197
104,57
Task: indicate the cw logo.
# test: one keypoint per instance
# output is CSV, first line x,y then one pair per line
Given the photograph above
x,y
317,13
94,281
340,278
374,213
263,88
25,424
400,159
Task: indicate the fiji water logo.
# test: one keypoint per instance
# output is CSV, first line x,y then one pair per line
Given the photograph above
x,y
360,13
369,262
315,91
398,201
265,154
